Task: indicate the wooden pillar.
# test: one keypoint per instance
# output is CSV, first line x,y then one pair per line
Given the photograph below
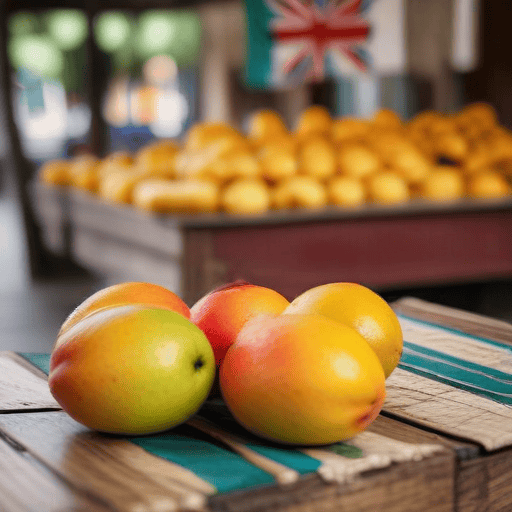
x,y
215,93
429,44
96,84
293,101
21,169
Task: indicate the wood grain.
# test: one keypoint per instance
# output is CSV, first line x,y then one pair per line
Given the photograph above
x,y
106,469
485,483
92,466
482,481
395,428
459,345
21,387
136,227
25,364
465,321
378,451
101,466
25,485
441,407
201,271
283,474
391,250
449,410
403,487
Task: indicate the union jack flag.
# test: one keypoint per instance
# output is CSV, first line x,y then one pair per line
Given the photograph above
x,y
313,38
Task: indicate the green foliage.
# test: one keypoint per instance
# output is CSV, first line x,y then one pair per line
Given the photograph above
x,y
112,31
67,27
37,53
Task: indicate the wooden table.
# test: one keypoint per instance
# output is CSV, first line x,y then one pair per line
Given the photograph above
x,y
413,244
413,457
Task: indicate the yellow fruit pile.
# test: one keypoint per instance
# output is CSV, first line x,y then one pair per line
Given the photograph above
x,y
344,162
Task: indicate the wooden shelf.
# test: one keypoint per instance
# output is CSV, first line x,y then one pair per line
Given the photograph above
x,y
383,247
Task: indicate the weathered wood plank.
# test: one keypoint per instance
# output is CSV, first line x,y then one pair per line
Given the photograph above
x,y
397,429
482,481
409,486
449,410
121,260
108,468
457,345
465,321
22,387
378,252
125,477
26,485
445,408
20,360
134,226
485,483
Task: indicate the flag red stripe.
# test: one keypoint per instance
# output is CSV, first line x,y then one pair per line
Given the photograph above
x,y
355,59
321,32
351,8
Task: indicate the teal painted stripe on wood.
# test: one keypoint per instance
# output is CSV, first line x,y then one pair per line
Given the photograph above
x,y
458,332
225,470
458,373
289,457
41,361
431,356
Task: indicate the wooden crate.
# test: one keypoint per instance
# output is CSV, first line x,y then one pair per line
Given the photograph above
x,y
383,247
480,429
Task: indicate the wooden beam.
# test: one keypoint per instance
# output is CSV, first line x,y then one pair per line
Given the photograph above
x,y
428,39
16,163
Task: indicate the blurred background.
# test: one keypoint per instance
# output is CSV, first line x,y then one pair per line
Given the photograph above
x,y
114,77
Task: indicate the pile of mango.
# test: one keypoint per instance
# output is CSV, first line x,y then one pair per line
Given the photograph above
x,y
344,162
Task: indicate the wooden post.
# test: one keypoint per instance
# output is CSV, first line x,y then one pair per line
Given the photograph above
x,y
16,163
428,36
293,101
215,95
96,84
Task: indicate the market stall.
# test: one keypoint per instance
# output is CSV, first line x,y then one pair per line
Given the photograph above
x,y
286,188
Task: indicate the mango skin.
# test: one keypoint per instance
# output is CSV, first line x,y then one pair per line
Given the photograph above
x,y
132,370
302,380
127,293
222,313
358,307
